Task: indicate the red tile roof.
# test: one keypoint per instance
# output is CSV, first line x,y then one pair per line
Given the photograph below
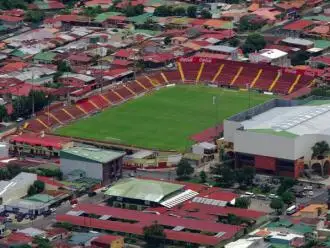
x,y
13,66
79,57
118,18
147,219
298,25
121,62
158,57
16,238
321,59
50,181
8,18
106,239
36,139
124,53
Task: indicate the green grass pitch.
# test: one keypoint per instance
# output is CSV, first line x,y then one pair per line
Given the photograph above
x,y
164,119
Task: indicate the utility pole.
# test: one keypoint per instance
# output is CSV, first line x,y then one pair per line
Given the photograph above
x,y
32,93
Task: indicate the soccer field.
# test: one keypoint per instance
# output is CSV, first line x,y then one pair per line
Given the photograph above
x,y
164,119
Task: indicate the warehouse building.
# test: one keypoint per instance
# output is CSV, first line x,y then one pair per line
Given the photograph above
x,y
277,137
134,193
101,164
17,187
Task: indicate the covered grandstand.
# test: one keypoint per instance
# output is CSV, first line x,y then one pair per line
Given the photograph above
x,y
221,73
277,137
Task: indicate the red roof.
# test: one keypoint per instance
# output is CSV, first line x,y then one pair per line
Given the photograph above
x,y
106,239
24,89
124,53
298,25
36,139
14,66
116,72
50,181
16,238
158,57
321,59
218,194
79,57
145,219
121,62
8,18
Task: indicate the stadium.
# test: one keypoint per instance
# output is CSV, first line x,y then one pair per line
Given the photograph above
x,y
283,133
233,77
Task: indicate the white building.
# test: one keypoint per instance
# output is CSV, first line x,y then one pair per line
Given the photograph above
x,y
273,56
252,242
17,187
277,137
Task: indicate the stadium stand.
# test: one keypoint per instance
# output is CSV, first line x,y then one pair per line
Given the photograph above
x,y
222,72
135,87
86,106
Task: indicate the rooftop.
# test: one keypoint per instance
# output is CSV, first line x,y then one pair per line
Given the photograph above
x,y
291,121
94,154
298,41
147,190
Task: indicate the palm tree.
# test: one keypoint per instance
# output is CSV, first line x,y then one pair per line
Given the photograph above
x,y
320,149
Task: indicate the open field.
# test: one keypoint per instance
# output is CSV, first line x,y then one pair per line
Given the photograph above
x,y
164,119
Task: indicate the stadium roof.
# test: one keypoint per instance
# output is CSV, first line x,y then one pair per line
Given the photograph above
x,y
94,154
146,190
292,121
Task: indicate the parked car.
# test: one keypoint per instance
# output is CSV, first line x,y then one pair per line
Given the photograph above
x,y
272,196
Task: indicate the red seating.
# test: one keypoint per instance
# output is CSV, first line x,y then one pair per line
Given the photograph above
x,y
266,79
284,83
209,71
173,76
145,82
134,86
74,111
246,76
35,126
157,77
99,101
112,97
190,70
87,106
61,116
123,92
227,74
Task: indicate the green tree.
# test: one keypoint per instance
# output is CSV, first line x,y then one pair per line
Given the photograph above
x,y
163,11
242,202
179,11
245,175
191,11
320,149
13,170
205,14
226,175
154,235
167,40
233,219
12,4
202,176
234,42
3,112
277,204
134,10
34,16
184,169
299,58
286,183
254,42
288,197
32,190
64,66
39,186
42,242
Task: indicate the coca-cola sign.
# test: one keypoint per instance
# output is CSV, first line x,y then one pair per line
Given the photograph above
x,y
196,60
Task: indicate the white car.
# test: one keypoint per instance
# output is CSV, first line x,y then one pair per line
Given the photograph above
x,y
53,210
73,205
272,196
